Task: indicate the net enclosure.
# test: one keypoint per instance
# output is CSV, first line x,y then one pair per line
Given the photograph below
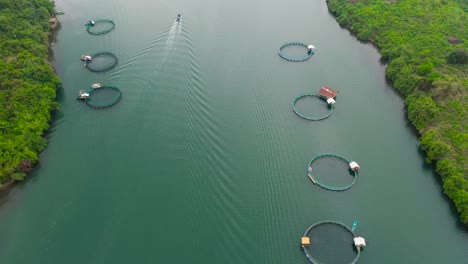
x,y
317,117
102,97
100,27
309,51
330,242
332,164
100,62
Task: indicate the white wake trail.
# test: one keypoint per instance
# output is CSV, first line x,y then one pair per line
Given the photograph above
x,y
173,35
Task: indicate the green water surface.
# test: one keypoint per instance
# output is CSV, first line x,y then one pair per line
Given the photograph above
x,y
203,159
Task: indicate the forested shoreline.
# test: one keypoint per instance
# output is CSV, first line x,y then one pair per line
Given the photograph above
x,y
425,44
28,84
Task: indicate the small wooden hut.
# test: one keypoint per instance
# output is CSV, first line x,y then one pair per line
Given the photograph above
x,y
86,58
327,93
359,242
305,241
354,166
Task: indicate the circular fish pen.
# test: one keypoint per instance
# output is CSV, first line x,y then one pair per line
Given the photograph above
x,y
308,117
103,97
353,171
308,55
330,242
100,27
101,62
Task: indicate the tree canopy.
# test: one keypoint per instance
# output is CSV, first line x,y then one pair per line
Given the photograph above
x,y
425,44
27,84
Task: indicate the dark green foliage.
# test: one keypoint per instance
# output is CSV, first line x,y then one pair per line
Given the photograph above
x,y
422,110
435,148
413,37
425,69
458,56
27,84
18,176
455,188
454,183
446,168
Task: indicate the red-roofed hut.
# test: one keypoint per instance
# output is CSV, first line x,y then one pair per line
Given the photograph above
x,y
327,92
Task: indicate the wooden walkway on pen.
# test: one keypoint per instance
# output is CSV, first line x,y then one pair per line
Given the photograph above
x,y
311,178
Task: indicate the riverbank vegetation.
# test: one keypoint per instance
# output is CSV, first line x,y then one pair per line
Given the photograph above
x,y
425,44
27,84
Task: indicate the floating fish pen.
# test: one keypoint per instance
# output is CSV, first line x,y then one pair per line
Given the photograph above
x,y
100,97
353,168
100,27
309,52
326,241
308,116
326,94
100,62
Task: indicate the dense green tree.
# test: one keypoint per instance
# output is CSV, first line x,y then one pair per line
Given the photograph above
x,y
27,84
422,110
425,44
425,69
458,56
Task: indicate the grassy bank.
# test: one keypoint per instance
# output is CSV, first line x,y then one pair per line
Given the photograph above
x,y
27,84
426,46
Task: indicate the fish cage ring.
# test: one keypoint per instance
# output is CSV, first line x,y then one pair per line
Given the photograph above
x,y
94,64
108,103
92,25
327,186
310,51
304,246
312,118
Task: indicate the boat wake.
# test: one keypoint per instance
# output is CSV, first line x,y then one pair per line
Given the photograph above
x,y
168,48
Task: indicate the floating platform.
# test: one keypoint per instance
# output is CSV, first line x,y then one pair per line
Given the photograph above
x,y
83,95
86,58
354,166
359,242
96,85
328,93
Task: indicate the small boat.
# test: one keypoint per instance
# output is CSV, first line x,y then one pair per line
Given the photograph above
x,y
86,58
96,85
83,95
178,18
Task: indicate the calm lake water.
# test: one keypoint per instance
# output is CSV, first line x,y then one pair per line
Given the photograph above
x,y
203,159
